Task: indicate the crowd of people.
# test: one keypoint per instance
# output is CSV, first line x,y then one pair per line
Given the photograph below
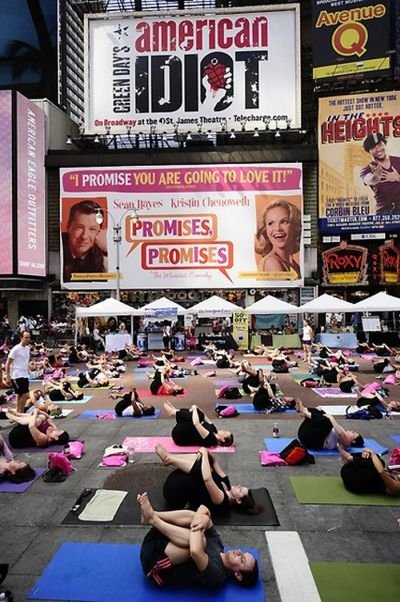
x,y
183,543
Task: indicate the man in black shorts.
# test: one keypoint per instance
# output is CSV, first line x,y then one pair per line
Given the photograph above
x,y
17,369
183,548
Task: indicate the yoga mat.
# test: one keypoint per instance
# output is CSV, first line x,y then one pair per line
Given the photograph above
x,y
369,356
8,487
395,438
299,377
248,408
99,572
64,414
103,412
358,582
335,410
146,445
332,392
277,445
110,386
84,399
229,382
148,393
50,448
128,513
330,490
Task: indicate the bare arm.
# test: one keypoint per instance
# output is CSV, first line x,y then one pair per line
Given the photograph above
x,y
8,368
197,541
215,493
203,432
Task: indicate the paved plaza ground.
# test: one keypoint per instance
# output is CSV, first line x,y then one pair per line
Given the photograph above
x,y
31,531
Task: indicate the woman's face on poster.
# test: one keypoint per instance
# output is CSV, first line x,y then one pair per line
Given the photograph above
x,y
278,227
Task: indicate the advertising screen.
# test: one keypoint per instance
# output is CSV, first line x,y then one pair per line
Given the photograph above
x,y
31,204
350,37
6,240
218,226
220,71
359,163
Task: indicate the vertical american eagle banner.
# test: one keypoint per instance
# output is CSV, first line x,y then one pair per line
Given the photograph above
x,y
217,226
216,71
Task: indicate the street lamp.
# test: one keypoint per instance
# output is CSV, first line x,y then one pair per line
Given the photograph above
x,y
116,238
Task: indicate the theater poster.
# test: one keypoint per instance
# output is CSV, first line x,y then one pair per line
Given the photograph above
x,y
354,263
199,227
350,37
359,163
215,71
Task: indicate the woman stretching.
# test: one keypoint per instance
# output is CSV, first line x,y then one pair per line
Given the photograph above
x,y
321,431
130,405
366,473
13,470
162,383
62,391
198,479
34,430
193,427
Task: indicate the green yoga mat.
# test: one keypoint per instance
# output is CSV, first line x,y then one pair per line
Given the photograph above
x,y
330,490
358,582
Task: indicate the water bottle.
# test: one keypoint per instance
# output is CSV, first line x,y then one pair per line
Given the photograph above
x,y
275,430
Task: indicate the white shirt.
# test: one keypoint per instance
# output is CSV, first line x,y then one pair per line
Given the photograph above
x,y
20,355
307,332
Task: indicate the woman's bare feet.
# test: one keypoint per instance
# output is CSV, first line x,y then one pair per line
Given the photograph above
x,y
299,406
169,408
146,508
163,454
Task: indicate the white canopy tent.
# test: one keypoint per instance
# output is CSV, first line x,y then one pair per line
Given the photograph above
x,y
108,307
161,304
326,304
271,305
379,302
214,307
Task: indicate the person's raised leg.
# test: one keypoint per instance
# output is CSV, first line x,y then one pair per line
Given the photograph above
x,y
182,461
302,410
21,400
170,408
177,534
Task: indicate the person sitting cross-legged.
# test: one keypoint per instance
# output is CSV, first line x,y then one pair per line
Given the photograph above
x,y
183,548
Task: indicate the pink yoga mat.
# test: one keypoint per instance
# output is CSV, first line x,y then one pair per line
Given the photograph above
x,y
148,393
332,392
369,356
148,444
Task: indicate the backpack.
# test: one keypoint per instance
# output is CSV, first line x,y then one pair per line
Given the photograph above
x,y
296,453
59,467
232,393
74,449
115,455
395,456
226,411
357,414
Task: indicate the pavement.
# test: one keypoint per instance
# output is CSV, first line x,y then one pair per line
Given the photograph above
x,y
30,523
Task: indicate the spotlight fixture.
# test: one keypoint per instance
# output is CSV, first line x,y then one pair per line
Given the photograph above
x,y
277,134
108,130
128,129
189,136
99,217
135,217
256,134
68,140
232,134
96,139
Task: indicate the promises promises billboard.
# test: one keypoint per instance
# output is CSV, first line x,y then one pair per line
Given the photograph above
x,y
359,163
160,73
218,226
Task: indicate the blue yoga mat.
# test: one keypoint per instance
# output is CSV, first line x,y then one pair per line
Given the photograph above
x,y
248,408
277,445
94,413
8,487
395,438
99,572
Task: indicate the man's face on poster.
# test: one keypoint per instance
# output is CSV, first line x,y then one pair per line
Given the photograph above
x,y
82,233
378,152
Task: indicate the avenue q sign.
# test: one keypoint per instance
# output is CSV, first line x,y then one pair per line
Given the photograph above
x,y
209,72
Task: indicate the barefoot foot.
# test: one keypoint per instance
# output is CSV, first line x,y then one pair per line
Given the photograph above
x,y
146,508
163,454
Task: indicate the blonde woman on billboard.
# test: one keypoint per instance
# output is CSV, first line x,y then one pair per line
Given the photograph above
x,y
278,238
